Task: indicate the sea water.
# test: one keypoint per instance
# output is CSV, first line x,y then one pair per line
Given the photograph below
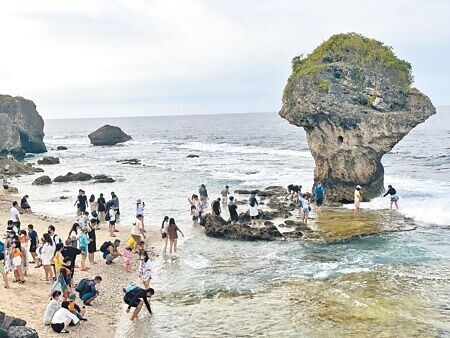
x,y
391,284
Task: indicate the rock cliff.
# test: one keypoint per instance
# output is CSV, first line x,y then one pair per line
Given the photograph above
x,y
354,99
21,127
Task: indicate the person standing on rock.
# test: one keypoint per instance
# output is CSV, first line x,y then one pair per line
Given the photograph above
x,y
394,197
253,209
203,192
225,192
232,209
306,208
319,193
357,199
215,206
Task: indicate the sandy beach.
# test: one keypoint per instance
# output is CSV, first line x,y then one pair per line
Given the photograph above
x,y
28,301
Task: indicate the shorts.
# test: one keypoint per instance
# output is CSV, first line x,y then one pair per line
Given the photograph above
x,y
17,261
112,222
319,202
108,257
127,301
136,238
87,296
394,198
194,218
357,204
17,225
84,251
33,248
306,210
58,327
6,187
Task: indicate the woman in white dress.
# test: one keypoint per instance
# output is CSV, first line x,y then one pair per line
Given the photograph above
x,y
253,205
47,253
145,269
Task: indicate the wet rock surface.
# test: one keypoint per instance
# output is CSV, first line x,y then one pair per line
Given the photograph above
x,y
103,179
71,177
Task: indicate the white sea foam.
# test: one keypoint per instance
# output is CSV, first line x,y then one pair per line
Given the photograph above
x,y
236,149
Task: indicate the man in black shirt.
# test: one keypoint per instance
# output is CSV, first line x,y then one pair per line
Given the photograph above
x,y
70,251
81,202
232,208
215,205
136,297
394,197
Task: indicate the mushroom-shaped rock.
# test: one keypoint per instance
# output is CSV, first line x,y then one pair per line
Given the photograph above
x,y
108,136
354,99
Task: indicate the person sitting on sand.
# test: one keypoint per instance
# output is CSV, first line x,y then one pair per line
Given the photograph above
x,y
5,182
172,233
53,306
75,308
292,189
63,318
394,197
357,199
24,204
145,268
136,297
88,289
112,252
232,209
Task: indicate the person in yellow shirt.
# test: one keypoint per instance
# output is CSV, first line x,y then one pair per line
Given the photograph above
x,y
357,199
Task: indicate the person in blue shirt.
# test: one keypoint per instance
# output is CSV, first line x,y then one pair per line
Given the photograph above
x,y
319,192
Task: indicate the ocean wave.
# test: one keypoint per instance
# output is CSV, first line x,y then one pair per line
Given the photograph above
x,y
236,149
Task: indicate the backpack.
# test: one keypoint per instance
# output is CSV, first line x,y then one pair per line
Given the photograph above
x,y
2,246
59,239
81,285
129,287
105,246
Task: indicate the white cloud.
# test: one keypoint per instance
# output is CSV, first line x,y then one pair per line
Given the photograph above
x,y
164,56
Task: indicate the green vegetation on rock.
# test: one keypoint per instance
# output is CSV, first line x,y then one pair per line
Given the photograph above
x,y
357,50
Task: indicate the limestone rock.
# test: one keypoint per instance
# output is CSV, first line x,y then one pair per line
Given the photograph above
x,y
43,180
108,136
354,99
21,127
71,177
103,179
219,228
61,148
22,332
49,160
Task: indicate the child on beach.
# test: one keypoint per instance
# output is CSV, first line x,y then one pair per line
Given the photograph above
x,y
17,257
126,255
84,242
306,208
172,233
145,268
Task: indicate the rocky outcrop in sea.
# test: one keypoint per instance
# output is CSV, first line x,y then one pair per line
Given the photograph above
x,y
21,127
12,327
355,100
108,136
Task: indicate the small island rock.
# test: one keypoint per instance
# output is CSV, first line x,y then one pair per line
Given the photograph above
x,y
49,160
71,177
108,136
43,180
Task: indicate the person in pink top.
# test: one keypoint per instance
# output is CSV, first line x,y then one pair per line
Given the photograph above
x,y
126,255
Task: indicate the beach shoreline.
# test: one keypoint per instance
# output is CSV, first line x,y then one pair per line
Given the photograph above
x,y
107,310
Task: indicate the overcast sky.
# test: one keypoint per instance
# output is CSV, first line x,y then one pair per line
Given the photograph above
x,y
129,58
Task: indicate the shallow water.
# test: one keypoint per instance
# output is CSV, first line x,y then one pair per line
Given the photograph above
x,y
383,286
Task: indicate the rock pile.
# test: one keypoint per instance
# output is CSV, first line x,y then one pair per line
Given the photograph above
x,y
11,327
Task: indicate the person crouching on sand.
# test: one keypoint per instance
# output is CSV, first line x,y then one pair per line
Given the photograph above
x,y
63,318
357,199
136,298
